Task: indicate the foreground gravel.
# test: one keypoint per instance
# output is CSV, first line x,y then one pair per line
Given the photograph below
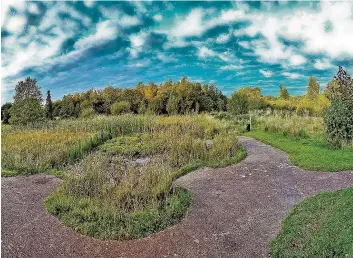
x,y
235,211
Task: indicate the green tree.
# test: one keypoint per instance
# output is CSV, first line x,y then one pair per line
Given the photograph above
x,y
27,107
313,89
339,116
120,107
173,104
57,107
27,89
5,112
27,111
238,104
339,122
87,112
283,92
341,87
49,106
69,107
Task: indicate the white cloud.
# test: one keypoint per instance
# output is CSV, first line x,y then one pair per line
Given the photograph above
x,y
166,58
244,44
158,17
223,38
129,21
232,15
306,25
140,63
105,31
33,8
191,26
137,43
39,50
19,6
137,40
266,73
16,24
205,52
197,22
231,67
292,75
323,64
89,4
297,60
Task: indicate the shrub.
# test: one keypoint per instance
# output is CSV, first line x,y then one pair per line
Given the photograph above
x,y
120,107
87,112
238,104
339,122
339,117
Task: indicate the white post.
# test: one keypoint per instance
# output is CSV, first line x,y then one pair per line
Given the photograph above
x,y
250,123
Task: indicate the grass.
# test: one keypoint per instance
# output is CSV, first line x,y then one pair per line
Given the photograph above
x,y
310,154
319,226
110,195
39,148
303,138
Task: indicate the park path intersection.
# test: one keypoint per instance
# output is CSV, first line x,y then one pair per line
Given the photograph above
x,y
234,213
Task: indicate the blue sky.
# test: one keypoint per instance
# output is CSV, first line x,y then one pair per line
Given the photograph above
x,y
77,45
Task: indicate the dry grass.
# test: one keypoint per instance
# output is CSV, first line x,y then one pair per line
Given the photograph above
x,y
110,195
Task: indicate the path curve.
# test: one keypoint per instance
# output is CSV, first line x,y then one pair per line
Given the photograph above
x,y
235,211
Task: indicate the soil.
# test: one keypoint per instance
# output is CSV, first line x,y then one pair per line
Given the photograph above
x,y
234,213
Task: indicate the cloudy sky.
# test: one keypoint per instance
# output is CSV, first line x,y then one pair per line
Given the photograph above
x,y
76,45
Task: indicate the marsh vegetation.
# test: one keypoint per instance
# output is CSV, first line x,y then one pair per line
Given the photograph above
x,y
118,175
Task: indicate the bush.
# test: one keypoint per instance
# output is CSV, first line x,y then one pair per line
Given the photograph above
x,y
87,112
120,107
339,122
238,104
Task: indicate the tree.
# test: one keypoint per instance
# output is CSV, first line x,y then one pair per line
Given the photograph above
x,y
238,104
120,107
313,89
27,89
5,112
341,87
49,106
27,111
57,107
339,116
69,107
27,107
283,92
173,104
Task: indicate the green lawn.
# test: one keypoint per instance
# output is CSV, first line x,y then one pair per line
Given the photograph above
x,y
320,226
311,154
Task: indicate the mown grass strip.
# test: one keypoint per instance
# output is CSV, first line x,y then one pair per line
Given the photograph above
x,y
311,154
320,226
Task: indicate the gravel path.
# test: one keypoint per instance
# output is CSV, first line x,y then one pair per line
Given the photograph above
x,y
235,211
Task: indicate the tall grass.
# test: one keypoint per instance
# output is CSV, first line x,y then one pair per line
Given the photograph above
x,y
109,194
37,148
291,125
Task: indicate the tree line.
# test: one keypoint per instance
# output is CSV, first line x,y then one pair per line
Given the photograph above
x,y
312,103
182,97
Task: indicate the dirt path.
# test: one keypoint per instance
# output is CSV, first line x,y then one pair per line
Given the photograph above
x,y
235,211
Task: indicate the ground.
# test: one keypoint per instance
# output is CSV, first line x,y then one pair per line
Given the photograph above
x,y
235,212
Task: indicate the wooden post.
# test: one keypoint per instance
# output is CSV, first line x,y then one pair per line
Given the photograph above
x,y
250,123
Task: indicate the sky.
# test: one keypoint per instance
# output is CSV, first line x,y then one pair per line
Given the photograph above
x,y
77,45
